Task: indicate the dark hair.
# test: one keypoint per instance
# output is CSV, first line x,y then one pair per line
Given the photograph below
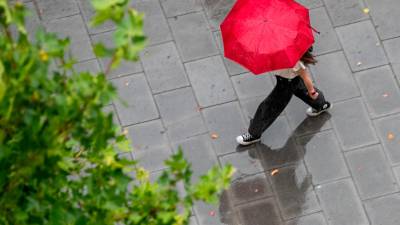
x,y
308,57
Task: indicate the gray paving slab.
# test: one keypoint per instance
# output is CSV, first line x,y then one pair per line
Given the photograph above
x,y
192,36
110,109
217,11
180,7
88,12
32,22
249,213
310,4
388,130
371,173
361,45
352,124
180,114
275,158
249,86
91,66
225,121
278,134
186,128
125,68
326,40
245,162
392,48
148,135
334,77
294,191
232,67
249,107
163,67
250,188
313,219
301,123
150,144
341,204
216,215
155,24
345,11
74,28
177,105
195,148
385,14
193,221
137,103
323,157
210,81
53,9
397,174
385,210
380,90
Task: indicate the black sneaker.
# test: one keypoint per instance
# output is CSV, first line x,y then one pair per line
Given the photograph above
x,y
247,139
313,112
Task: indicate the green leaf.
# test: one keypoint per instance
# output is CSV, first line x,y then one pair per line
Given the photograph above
x,y
2,84
101,51
5,13
99,5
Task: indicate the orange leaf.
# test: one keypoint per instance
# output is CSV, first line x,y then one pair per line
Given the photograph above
x,y
274,172
390,136
214,136
211,213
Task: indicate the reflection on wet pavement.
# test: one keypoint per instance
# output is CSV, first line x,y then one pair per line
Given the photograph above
x,y
272,199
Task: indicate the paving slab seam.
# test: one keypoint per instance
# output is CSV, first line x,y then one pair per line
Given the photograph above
x,y
102,32
352,180
184,14
62,17
200,58
351,23
36,6
126,75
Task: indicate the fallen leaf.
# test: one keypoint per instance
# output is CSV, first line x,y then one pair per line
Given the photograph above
x,y
366,10
274,172
214,136
125,132
211,213
390,136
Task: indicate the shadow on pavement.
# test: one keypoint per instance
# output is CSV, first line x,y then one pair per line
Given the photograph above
x,y
282,192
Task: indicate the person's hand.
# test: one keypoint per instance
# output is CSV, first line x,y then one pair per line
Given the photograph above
x,y
313,94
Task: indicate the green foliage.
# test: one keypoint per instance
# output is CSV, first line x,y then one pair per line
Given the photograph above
x,y
59,160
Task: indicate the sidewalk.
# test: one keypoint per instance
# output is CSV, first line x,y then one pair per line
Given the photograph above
x,y
342,168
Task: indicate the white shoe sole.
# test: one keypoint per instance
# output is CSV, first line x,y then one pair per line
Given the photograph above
x,y
320,112
246,143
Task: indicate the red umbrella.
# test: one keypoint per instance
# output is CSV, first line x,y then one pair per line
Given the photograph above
x,y
266,35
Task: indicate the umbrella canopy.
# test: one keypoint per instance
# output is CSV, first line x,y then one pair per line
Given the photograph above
x,y
266,35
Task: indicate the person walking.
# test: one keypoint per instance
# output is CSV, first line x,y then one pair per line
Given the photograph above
x,y
293,81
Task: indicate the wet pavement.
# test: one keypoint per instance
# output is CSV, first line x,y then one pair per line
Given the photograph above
x,y
342,168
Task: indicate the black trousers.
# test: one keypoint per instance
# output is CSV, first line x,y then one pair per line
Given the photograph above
x,y
269,109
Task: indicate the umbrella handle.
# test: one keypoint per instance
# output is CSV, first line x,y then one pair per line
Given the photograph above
x,y
315,30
